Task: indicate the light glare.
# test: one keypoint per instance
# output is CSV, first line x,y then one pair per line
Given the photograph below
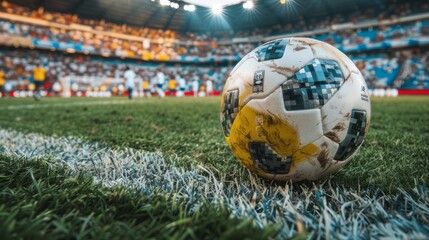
x,y
189,8
248,5
216,9
164,2
174,5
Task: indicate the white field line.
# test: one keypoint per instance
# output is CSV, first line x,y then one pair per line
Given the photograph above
x,y
70,104
325,211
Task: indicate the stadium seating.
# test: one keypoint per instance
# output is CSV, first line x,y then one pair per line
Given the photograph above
x,y
379,71
19,65
69,33
416,73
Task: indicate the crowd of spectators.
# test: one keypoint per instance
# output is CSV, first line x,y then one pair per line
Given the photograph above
x,y
18,67
400,69
415,73
380,71
100,25
94,43
378,34
382,12
159,44
104,44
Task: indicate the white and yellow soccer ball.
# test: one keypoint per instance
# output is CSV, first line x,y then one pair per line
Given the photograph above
x,y
295,109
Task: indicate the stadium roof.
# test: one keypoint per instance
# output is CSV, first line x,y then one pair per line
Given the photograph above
x,y
150,13
210,3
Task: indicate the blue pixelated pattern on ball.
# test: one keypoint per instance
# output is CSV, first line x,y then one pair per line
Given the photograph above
x,y
267,159
313,85
354,137
272,50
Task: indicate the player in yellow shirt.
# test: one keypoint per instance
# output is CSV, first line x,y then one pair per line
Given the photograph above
x,y
172,86
39,76
2,83
146,88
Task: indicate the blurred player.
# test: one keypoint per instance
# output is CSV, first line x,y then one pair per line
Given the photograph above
x,y
2,83
160,84
115,90
146,87
195,86
182,86
129,76
172,85
56,87
209,87
39,75
139,85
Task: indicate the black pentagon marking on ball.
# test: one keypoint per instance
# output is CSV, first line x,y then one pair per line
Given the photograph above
x,y
265,158
354,137
271,50
313,85
229,110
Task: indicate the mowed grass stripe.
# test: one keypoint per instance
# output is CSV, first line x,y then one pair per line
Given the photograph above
x,y
323,210
394,153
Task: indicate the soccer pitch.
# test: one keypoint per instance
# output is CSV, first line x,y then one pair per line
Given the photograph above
x,y
160,168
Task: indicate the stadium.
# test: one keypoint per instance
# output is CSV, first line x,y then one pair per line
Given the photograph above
x,y
114,116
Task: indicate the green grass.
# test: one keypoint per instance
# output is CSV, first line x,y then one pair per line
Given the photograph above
x,y
395,151
42,201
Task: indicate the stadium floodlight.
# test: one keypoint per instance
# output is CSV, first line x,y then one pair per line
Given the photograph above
x,y
189,8
217,10
164,2
248,5
174,5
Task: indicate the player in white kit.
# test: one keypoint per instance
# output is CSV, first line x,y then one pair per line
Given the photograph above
x,y
195,86
129,76
182,86
209,87
160,77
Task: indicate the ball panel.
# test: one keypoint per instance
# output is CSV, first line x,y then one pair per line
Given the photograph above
x,y
325,51
254,81
287,66
325,165
317,164
273,105
252,125
336,114
264,77
265,158
229,110
271,50
313,85
354,137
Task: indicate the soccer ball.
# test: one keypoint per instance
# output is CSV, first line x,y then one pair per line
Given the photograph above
x,y
295,109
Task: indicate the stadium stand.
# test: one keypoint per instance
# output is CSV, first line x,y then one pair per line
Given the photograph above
x,y
366,38
19,64
415,73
